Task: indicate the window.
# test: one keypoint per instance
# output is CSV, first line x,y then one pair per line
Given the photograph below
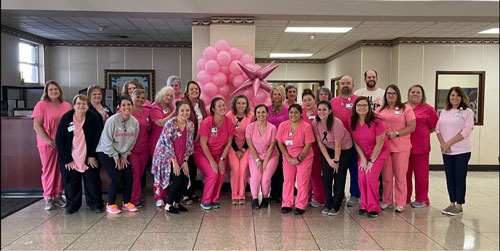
x,y
28,62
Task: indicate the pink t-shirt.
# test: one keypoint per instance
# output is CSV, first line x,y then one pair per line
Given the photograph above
x,y
366,137
396,120
276,119
261,142
240,127
426,118
180,146
296,141
51,116
217,136
337,132
157,112
142,143
79,147
342,108
453,122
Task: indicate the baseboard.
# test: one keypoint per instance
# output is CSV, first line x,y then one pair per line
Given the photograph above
x,y
470,168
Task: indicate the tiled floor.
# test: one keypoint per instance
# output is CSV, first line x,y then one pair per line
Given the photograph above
x,y
238,228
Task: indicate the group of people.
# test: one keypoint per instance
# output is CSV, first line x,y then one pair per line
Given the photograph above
x,y
281,150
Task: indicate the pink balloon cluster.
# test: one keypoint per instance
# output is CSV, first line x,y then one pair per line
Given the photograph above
x,y
219,74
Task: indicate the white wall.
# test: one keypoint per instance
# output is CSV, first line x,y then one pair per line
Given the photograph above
x,y
292,71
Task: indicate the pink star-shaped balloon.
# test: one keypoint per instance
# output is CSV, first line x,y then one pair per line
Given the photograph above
x,y
256,78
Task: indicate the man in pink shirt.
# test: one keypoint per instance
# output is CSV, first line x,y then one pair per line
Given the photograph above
x,y
342,108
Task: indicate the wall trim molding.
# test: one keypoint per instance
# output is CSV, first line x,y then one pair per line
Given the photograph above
x,y
24,35
225,20
290,61
145,44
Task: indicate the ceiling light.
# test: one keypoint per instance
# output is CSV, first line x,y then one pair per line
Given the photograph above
x,y
490,31
290,55
318,29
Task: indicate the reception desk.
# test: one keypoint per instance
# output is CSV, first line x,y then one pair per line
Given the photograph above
x,y
21,168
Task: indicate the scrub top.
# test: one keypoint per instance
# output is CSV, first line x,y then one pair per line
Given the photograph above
x,y
296,141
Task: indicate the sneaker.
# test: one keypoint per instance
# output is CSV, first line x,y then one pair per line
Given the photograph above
x,y
241,202
160,203
171,209
455,211
59,201
446,210
417,204
373,214
181,208
49,205
314,203
400,209
286,210
264,202
362,211
206,206
298,211
139,205
215,205
129,207
353,201
255,204
98,210
333,212
325,210
384,206
113,209
234,202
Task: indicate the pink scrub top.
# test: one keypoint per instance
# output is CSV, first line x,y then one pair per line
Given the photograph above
x,y
453,122
342,108
309,118
180,146
79,147
366,137
261,142
157,112
142,143
295,142
217,139
426,120
276,119
337,132
51,116
240,127
396,120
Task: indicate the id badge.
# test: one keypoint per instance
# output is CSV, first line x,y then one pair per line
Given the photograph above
x,y
311,117
398,112
236,126
71,128
289,142
165,111
179,134
348,106
214,131
458,114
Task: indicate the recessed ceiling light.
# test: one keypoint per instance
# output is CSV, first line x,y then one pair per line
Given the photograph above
x,y
490,31
318,29
290,55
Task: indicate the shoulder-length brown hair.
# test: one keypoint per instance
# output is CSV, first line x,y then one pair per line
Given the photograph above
x,y
233,104
464,102
45,95
421,89
370,116
399,104
192,82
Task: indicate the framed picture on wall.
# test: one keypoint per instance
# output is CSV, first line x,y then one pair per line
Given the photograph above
x,y
473,84
115,79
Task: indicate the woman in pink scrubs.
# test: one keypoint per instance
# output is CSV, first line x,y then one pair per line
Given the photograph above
x,y
372,145
426,119
453,130
316,184
295,138
241,116
46,117
77,138
261,139
140,153
216,134
400,122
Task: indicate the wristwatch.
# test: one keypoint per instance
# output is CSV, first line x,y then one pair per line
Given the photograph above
x,y
371,161
336,161
257,160
222,158
184,161
397,134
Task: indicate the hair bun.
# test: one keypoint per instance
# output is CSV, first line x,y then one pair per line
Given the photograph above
x,y
307,91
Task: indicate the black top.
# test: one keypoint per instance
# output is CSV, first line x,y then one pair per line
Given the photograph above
x,y
109,112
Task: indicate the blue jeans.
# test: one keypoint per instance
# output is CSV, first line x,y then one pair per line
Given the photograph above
x,y
455,167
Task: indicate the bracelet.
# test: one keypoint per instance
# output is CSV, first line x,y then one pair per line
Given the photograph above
x,y
222,158
397,134
184,161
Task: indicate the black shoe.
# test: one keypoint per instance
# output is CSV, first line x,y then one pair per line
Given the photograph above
x,y
172,210
286,210
373,214
98,210
181,208
279,200
264,203
255,204
362,212
298,211
69,211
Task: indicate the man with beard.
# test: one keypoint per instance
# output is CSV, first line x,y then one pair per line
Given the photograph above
x,y
342,108
374,94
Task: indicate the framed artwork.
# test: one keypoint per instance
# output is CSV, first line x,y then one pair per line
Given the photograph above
x,y
473,84
115,79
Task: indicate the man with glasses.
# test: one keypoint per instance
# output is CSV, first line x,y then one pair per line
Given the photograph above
x,y
374,94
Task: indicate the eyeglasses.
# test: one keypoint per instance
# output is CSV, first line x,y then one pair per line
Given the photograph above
x,y
391,93
362,105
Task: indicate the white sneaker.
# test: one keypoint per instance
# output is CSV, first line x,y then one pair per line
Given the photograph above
x,y
60,202
314,203
49,205
385,206
160,203
353,201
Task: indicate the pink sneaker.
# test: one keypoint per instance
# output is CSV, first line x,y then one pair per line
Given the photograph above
x,y
113,209
129,207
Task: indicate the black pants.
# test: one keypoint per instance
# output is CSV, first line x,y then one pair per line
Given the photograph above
x,y
338,179
117,176
193,171
455,167
277,179
178,187
73,187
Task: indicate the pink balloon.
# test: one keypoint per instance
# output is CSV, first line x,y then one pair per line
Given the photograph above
x,y
235,53
201,64
234,68
253,66
229,77
238,80
261,97
203,77
222,45
210,53
225,70
205,99
223,57
247,59
219,79
210,89
212,67
249,93
224,90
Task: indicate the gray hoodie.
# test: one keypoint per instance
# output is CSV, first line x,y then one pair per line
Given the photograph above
x,y
118,137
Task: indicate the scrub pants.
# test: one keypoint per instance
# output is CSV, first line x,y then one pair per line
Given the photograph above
x,y
418,165
316,183
394,178
73,187
138,160
455,167
338,179
239,170
260,180
213,181
117,177
51,176
302,173
368,183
